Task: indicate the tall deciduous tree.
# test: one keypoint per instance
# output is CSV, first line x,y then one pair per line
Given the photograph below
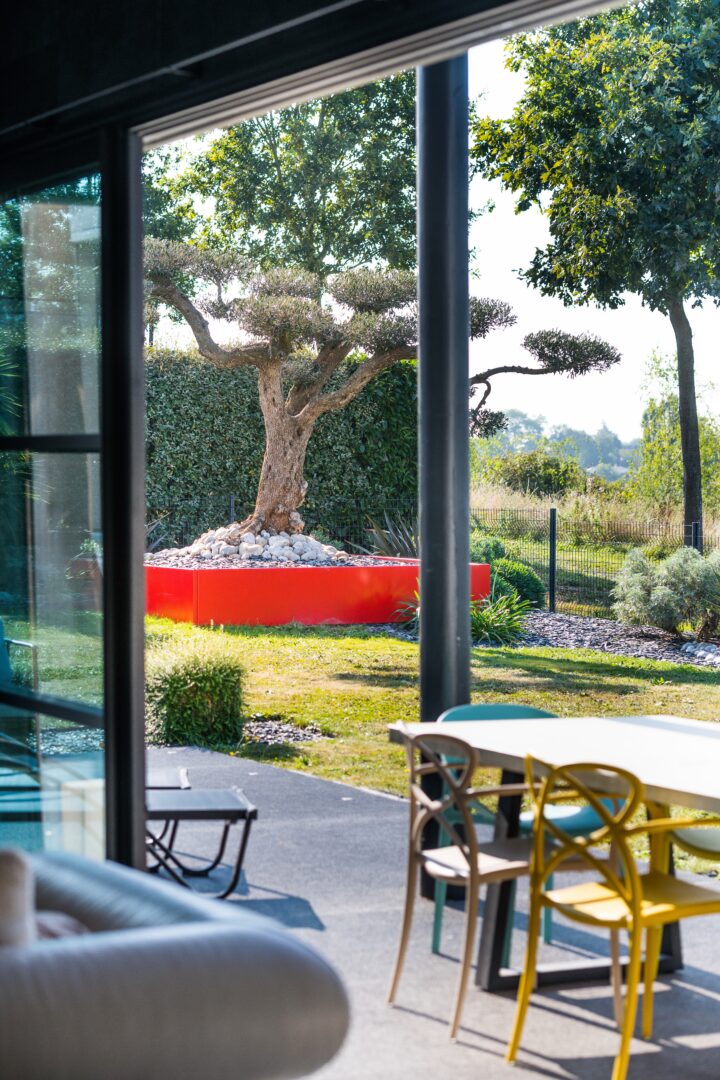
x,y
316,347
616,138
324,186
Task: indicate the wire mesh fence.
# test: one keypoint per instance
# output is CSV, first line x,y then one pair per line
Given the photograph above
x,y
578,560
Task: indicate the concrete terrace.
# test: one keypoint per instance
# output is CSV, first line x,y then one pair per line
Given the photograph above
x,y
329,861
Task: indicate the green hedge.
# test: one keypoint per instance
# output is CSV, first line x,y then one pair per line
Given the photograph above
x,y
205,442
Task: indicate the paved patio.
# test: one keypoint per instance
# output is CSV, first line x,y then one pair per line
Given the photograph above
x,y
329,861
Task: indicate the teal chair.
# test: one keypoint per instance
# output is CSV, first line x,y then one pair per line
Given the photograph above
x,y
576,821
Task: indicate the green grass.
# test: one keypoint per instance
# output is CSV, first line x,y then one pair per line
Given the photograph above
x,y
70,658
354,683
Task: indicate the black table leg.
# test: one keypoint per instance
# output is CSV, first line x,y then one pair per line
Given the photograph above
x,y
498,898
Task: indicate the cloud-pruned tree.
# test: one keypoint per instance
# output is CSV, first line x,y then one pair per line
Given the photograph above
x,y
315,346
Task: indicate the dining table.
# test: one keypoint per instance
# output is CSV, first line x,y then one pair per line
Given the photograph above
x,y
677,760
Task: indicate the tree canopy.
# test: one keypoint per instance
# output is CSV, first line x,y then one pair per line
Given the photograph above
x,y
325,186
616,140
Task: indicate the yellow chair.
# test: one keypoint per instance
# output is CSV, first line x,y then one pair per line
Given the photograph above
x,y
621,898
463,861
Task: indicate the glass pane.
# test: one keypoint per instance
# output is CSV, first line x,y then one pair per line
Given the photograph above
x,y
50,310
52,786
51,575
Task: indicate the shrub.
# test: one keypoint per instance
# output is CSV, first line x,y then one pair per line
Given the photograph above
x,y
536,473
498,621
685,588
523,579
486,549
194,691
395,537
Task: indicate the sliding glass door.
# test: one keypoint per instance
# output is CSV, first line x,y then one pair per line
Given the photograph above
x,y
52,771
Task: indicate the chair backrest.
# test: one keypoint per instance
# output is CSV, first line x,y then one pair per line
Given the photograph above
x,y
453,762
586,784
492,712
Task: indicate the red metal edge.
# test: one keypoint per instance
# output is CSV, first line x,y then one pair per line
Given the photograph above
x,y
275,596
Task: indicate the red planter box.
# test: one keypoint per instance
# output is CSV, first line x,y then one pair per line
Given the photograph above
x,y
274,596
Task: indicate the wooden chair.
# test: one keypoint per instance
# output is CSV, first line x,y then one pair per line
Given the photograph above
x,y
620,897
462,861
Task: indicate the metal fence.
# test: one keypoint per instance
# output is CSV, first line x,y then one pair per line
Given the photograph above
x,y
178,525
577,559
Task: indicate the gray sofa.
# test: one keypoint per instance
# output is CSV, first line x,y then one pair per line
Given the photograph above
x,y
168,985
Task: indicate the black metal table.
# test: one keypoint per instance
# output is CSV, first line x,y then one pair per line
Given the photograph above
x,y
174,805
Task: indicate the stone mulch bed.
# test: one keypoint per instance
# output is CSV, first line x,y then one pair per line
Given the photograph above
x,y
606,635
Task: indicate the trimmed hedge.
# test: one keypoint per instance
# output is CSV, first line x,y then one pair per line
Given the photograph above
x,y
523,579
194,691
205,441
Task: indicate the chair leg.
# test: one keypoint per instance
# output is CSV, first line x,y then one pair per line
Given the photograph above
x,y
471,916
507,943
653,939
616,976
440,899
631,999
547,917
410,890
527,979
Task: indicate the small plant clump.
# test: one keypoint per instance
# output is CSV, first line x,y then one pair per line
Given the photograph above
x,y
498,619
194,691
683,590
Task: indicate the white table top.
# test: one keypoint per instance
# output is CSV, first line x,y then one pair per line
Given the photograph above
x,y
678,760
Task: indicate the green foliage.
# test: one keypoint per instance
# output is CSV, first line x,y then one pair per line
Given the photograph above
x,y
536,473
194,691
396,538
205,441
499,620
616,137
657,476
523,579
683,589
323,185
485,549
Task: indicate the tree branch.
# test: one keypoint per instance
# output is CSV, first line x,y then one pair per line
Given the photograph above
x,y
508,369
361,376
328,361
170,294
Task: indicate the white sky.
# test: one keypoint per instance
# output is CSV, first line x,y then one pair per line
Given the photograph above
x,y
504,243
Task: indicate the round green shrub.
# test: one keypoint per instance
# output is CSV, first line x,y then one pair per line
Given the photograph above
x,y
523,579
486,549
194,691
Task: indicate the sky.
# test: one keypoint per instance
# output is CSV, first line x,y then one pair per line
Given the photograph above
x,y
504,243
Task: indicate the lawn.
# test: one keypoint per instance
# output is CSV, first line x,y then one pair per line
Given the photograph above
x,y
353,683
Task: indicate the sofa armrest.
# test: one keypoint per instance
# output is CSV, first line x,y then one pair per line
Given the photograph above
x,y
211,1000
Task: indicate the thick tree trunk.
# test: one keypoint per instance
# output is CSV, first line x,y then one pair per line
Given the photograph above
x,y
282,485
689,430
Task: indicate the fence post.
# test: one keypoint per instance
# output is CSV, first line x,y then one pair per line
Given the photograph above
x,y
552,559
696,536
232,509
